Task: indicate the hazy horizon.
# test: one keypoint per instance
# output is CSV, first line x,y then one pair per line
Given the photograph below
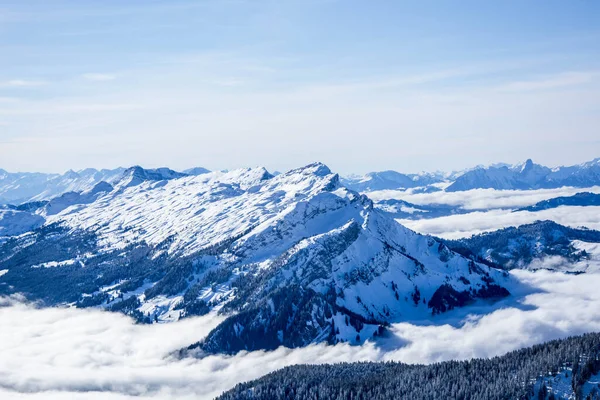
x,y
225,84
297,166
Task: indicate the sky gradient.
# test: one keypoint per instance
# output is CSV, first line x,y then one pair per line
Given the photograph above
x,y
360,86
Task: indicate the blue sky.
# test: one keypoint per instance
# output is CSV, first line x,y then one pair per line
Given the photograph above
x,y
358,85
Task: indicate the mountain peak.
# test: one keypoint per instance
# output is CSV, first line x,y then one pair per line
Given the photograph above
x,y
196,171
101,186
529,165
135,175
316,168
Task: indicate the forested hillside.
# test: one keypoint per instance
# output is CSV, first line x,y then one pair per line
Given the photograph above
x,y
516,375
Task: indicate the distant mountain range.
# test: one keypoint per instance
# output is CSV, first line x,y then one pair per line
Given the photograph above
x,y
525,176
393,180
528,176
402,209
18,188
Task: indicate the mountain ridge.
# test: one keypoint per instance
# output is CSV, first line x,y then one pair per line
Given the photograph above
x,y
290,259
18,188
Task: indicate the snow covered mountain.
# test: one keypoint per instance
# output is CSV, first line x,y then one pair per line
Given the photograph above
x,y
528,176
403,209
135,175
22,187
390,180
17,188
501,176
196,171
24,217
543,244
289,259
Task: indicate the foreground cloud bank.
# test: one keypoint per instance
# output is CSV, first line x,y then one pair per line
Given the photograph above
x,y
86,354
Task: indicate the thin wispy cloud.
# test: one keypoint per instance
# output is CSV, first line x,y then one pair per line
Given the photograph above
x,y
565,79
97,77
243,83
21,83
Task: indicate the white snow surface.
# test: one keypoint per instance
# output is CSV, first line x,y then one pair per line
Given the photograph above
x,y
19,187
197,211
292,219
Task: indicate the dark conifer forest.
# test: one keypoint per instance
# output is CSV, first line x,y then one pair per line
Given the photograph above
x,y
511,376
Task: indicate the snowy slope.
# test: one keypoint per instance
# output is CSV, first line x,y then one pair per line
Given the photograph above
x,y
293,258
136,175
53,193
21,187
16,188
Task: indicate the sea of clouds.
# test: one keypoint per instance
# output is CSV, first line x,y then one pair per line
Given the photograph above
x,y
464,225
481,199
491,209
66,353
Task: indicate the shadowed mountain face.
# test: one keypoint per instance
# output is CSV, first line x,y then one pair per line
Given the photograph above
x,y
518,247
291,259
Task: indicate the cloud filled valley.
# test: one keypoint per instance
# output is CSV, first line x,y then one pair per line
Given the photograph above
x,y
483,210
61,353
465,225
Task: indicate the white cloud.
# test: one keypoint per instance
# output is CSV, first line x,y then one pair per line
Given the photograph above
x,y
99,77
190,113
84,354
17,83
565,79
465,225
559,305
481,199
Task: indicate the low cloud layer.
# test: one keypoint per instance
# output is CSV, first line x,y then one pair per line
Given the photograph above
x,y
481,199
465,225
87,354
